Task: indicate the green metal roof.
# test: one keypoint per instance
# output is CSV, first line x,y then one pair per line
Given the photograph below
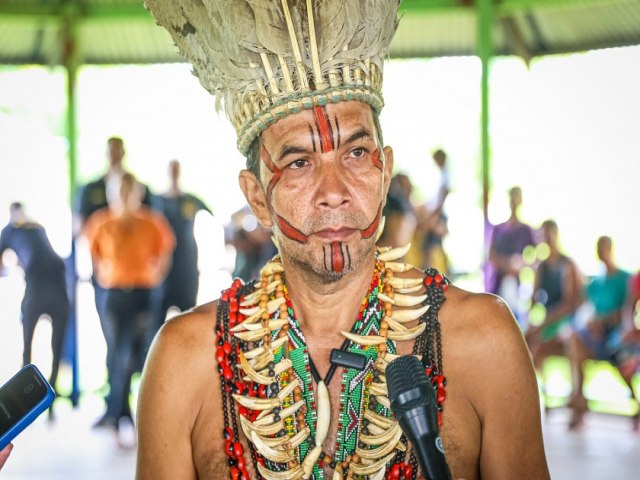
x,y
122,31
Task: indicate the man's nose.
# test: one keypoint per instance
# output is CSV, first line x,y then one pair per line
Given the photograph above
x,y
332,188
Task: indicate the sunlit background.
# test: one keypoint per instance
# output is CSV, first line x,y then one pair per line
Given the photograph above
x,y
564,128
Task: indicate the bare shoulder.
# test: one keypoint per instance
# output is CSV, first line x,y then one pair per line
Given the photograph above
x,y
484,316
178,377
482,333
492,386
189,330
182,354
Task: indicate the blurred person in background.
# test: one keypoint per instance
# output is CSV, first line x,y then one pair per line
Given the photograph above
x,y
558,288
601,337
432,219
252,242
45,291
628,355
399,213
506,246
179,289
131,246
94,196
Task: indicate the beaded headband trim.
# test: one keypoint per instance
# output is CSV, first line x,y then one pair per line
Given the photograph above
x,y
266,59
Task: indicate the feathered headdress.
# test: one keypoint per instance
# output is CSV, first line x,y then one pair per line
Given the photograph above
x,y
266,59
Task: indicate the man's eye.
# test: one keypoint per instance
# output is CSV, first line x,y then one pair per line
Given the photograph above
x,y
358,152
298,164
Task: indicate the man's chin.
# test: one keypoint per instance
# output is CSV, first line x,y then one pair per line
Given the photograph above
x,y
318,271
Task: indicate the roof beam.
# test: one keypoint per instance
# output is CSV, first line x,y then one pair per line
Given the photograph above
x,y
137,10
500,7
84,10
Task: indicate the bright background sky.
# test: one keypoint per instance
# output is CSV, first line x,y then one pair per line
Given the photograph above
x,y
565,129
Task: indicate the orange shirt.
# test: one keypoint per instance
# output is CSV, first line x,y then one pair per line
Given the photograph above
x,y
131,252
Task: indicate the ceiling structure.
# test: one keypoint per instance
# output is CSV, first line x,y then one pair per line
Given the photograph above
x,y
122,31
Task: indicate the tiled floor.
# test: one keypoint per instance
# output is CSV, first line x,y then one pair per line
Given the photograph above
x,y
70,450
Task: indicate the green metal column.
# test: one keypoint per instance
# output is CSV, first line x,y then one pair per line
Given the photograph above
x,y
70,61
485,52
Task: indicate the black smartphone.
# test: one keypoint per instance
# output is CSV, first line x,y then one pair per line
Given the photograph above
x,y
22,399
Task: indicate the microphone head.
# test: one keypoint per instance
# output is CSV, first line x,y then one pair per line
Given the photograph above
x,y
404,373
408,385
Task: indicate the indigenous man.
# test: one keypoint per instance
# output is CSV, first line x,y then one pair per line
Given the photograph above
x,y
245,387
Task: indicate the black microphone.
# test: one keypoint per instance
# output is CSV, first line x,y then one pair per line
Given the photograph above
x,y
413,403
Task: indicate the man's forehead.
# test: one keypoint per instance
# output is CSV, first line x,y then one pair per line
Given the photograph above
x,y
299,128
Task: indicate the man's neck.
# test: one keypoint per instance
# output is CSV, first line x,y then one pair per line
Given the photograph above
x,y
610,267
324,309
174,191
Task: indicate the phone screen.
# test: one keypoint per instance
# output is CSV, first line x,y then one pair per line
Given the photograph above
x,y
18,396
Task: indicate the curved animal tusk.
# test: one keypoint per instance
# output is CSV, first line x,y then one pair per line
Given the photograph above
x,y
268,452
415,289
409,314
373,453
380,439
249,312
252,335
384,401
377,419
257,403
292,473
408,335
394,253
286,391
380,475
378,389
372,468
284,413
310,460
364,339
337,473
396,267
403,300
380,229
262,349
275,242
395,326
274,304
264,430
399,282
274,266
324,412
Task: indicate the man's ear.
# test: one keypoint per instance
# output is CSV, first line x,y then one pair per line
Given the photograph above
x,y
255,196
388,169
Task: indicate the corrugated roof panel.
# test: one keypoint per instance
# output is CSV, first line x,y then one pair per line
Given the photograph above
x,y
443,33
606,24
115,31
23,41
127,41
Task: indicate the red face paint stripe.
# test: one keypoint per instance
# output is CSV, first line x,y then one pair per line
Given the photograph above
x,y
290,231
371,229
375,159
337,258
267,160
324,129
277,173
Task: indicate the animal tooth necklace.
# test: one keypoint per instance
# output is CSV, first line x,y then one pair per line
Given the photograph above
x,y
267,377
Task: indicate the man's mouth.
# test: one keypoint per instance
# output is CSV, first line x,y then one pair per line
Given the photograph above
x,y
338,234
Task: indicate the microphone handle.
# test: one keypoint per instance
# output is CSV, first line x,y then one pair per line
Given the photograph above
x,y
426,443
